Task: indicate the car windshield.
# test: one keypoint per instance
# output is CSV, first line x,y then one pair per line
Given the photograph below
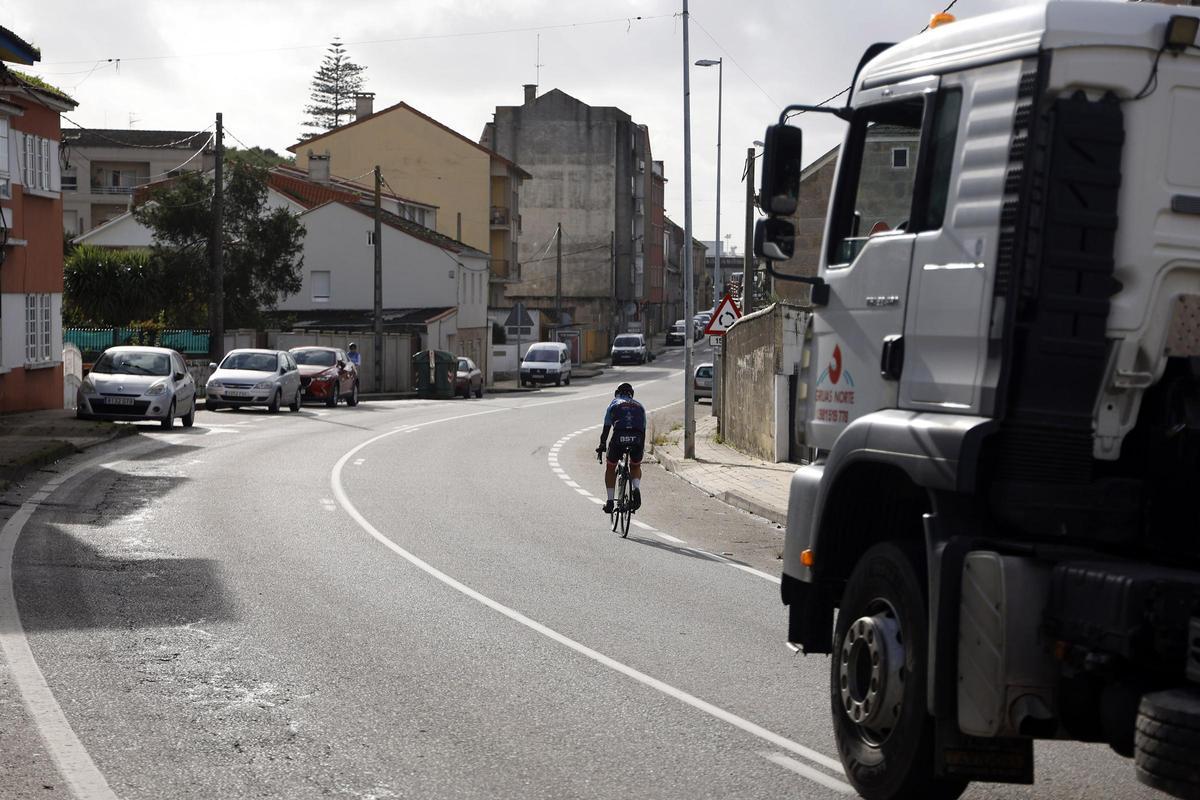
x,y
704,372
133,363
542,355
463,365
628,341
254,362
314,358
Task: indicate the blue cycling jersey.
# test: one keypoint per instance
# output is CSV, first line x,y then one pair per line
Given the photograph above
x,y
625,414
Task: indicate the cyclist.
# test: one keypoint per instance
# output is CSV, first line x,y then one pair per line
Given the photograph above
x,y
626,418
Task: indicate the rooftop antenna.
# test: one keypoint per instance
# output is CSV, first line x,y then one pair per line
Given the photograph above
x,y
133,120
537,62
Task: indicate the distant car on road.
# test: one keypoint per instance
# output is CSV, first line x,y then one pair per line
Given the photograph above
x,y
545,362
133,383
468,378
702,319
254,378
702,383
629,348
677,333
327,374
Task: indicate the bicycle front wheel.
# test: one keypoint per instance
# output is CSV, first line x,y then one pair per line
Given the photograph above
x,y
626,515
620,502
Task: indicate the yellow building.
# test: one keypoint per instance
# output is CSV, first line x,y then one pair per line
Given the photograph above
x,y
475,189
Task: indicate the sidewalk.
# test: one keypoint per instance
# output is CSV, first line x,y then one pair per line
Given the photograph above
x,y
739,480
31,440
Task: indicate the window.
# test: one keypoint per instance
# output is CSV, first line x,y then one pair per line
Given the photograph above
x,y
872,198
320,285
940,163
28,176
38,328
43,170
899,158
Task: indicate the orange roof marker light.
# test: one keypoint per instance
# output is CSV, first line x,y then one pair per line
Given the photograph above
x,y
939,19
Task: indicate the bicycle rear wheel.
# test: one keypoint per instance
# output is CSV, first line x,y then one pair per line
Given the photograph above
x,y
626,514
621,501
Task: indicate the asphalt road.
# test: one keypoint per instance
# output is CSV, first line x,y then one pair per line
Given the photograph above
x,y
412,599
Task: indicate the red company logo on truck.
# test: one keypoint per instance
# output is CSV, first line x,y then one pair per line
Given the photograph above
x,y
833,404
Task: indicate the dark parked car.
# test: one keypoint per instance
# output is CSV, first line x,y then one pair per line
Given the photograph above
x,y
677,333
327,374
468,378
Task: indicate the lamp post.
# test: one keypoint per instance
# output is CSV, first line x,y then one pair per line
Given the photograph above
x,y
718,285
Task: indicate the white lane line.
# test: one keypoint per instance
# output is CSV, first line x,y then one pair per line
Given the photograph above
x,y
669,537
558,470
596,500
82,776
573,484
753,571
808,772
782,742
584,492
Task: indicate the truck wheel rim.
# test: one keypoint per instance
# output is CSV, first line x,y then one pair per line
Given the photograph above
x,y
871,672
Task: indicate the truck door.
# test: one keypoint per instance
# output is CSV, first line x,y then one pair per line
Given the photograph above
x,y
950,297
867,259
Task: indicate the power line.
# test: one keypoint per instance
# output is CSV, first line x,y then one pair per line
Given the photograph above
x,y
164,146
728,55
427,37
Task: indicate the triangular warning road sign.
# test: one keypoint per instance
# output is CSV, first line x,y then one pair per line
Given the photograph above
x,y
726,314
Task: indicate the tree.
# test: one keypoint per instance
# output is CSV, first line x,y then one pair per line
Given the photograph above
x,y
262,247
337,80
110,288
257,156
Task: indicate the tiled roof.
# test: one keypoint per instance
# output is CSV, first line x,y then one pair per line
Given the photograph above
x,y
14,48
341,185
308,193
357,319
37,86
402,105
417,231
120,137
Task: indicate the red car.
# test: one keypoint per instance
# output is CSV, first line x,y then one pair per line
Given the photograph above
x,y
327,374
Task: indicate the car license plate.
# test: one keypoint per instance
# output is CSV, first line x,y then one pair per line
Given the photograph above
x,y
236,393
119,401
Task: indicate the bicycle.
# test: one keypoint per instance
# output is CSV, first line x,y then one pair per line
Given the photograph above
x,y
622,503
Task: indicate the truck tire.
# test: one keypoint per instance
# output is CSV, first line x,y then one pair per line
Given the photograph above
x,y
885,736
1166,742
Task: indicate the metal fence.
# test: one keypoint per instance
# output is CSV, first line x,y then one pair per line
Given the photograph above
x,y
94,341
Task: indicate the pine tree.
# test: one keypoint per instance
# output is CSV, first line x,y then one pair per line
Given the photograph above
x,y
337,80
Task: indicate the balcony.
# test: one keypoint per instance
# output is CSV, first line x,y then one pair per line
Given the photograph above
x,y
117,183
500,217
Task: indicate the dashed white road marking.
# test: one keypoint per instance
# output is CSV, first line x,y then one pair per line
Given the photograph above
x,y
358,462
328,505
745,725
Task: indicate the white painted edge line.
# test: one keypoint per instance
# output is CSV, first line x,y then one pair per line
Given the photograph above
x,y
669,537
82,776
335,481
808,772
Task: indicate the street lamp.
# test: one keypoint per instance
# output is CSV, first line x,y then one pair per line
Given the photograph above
x,y
718,287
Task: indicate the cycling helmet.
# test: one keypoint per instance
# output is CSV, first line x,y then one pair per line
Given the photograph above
x,y
624,390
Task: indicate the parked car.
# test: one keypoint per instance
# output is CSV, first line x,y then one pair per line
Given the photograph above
x,y
677,333
254,378
545,362
133,383
468,378
629,348
702,382
327,374
702,318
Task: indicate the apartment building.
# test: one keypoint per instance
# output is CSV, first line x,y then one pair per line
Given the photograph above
x,y
31,234
102,167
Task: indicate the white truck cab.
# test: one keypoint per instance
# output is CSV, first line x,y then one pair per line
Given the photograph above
x,y
1002,396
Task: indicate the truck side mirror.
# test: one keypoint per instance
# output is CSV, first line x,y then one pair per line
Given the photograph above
x,y
774,239
782,165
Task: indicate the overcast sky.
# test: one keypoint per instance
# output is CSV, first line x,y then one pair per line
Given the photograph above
x,y
456,60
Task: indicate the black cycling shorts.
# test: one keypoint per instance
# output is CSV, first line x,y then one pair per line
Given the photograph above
x,y
633,442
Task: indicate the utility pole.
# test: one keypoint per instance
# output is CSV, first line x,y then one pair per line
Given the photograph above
x,y
216,312
558,275
689,391
378,365
748,265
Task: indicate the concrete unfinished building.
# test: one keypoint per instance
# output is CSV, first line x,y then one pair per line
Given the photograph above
x,y
592,172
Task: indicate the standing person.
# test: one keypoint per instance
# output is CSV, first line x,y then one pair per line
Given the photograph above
x,y
626,418
355,356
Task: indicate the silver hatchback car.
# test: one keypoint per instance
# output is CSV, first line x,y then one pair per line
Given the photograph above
x,y
133,383
254,378
703,381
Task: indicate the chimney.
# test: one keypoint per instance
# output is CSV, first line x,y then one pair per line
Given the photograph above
x,y
318,167
530,93
364,105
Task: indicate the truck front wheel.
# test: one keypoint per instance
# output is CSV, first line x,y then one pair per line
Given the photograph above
x,y
884,734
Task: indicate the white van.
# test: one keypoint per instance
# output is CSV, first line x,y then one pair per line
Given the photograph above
x,y
545,362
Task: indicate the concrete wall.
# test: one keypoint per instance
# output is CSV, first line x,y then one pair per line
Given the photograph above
x,y
762,354
420,159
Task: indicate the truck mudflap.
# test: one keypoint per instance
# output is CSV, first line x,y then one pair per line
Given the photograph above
x,y
810,615
971,758
1140,612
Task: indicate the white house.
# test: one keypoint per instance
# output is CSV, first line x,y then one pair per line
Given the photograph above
x,y
432,284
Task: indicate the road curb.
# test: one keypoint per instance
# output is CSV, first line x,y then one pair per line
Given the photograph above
x,y
53,450
730,498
